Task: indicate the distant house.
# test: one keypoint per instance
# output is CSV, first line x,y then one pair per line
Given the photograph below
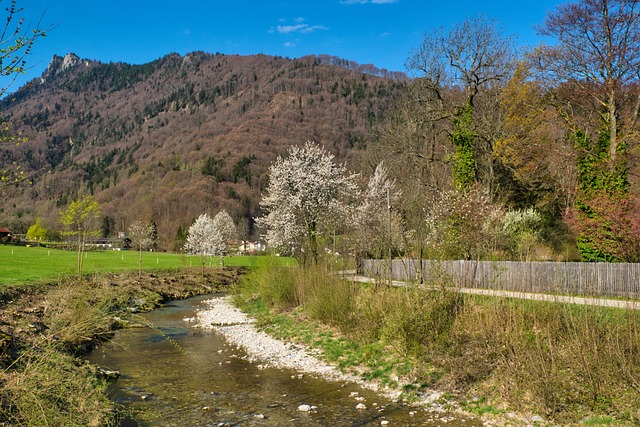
x,y
246,248
5,235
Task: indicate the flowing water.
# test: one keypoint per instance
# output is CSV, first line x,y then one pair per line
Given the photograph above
x,y
176,375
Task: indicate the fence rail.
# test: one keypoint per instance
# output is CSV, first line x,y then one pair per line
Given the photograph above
x,y
573,278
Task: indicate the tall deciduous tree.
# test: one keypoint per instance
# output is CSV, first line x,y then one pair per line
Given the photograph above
x,y
141,235
456,68
533,146
306,198
81,220
597,53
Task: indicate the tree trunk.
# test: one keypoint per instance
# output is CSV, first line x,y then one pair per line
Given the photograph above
x,y
613,129
313,242
140,262
80,242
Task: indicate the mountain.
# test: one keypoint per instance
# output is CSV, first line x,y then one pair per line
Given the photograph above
x,y
182,135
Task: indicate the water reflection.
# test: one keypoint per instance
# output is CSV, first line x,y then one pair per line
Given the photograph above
x,y
176,375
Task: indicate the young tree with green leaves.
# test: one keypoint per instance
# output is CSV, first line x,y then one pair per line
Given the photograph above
x,y
37,231
17,38
81,220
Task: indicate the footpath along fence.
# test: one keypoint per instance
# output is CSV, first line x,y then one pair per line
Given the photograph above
x,y
569,278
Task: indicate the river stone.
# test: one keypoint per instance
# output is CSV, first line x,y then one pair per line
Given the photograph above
x,y
361,407
304,408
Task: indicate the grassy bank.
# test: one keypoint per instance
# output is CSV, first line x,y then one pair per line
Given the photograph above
x,y
45,329
568,364
21,265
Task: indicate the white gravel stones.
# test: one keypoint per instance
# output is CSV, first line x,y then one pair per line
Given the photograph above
x,y
238,328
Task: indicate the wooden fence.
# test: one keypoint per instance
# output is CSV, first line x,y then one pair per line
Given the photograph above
x,y
572,278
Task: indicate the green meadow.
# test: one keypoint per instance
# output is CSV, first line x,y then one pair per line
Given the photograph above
x,y
21,265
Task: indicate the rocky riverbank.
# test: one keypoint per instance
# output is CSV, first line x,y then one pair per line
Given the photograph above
x,y
239,329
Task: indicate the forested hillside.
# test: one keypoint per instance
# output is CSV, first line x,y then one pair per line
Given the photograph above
x,y
485,152
168,140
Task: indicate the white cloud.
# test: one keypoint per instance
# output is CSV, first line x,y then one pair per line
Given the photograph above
x,y
290,44
298,28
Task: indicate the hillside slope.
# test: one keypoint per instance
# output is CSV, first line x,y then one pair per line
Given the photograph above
x,y
168,140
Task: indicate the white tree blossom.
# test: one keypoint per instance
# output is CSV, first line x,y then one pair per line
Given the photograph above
x,y
204,239
377,224
306,197
225,225
226,228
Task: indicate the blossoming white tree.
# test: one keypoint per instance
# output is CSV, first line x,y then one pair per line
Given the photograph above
x,y
204,239
377,225
306,197
226,228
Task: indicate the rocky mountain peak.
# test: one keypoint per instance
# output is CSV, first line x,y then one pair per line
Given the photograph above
x,y
60,64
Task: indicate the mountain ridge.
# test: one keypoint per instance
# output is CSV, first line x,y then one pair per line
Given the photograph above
x,y
181,135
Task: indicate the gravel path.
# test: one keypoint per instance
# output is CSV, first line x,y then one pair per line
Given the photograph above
x,y
239,329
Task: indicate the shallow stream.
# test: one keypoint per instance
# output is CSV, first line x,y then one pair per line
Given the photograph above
x,y
177,375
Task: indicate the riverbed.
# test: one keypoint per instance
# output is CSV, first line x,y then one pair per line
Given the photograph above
x,y
173,373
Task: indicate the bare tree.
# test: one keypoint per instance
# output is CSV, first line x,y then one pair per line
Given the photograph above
x,y
596,53
141,235
455,67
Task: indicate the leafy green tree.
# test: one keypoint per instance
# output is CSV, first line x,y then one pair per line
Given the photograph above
x,y
81,221
37,231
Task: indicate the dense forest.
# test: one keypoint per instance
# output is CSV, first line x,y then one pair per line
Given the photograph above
x,y
491,152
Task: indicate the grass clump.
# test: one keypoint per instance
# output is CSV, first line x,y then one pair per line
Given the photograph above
x,y
50,388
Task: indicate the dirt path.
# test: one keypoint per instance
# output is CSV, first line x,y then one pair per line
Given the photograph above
x,y
566,299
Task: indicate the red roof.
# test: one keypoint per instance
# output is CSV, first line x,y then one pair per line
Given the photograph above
x,y
4,230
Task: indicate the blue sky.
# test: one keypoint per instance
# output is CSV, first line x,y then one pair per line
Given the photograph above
x,y
379,32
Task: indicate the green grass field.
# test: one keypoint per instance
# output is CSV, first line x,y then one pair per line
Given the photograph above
x,y
21,265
